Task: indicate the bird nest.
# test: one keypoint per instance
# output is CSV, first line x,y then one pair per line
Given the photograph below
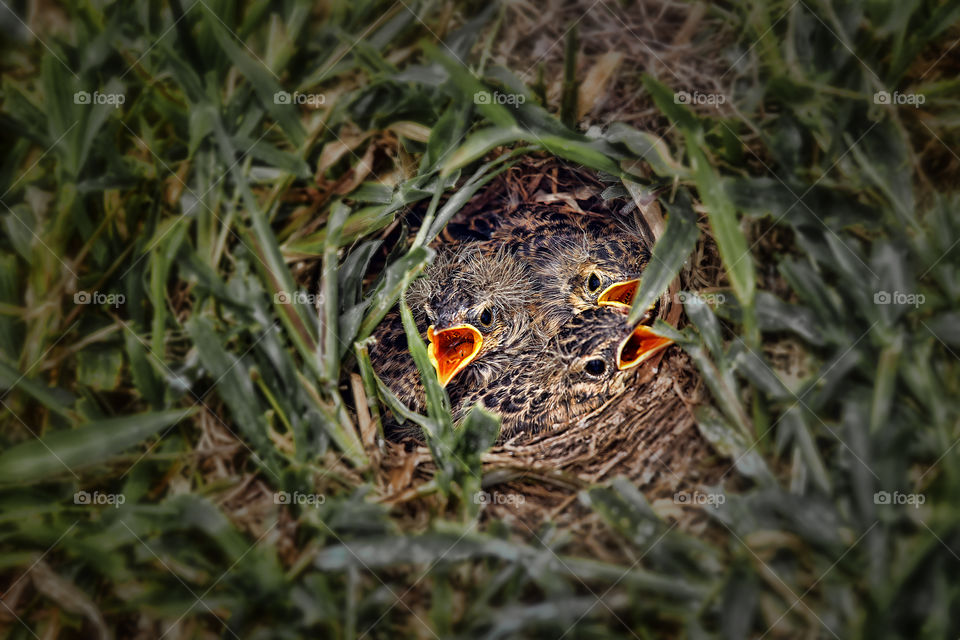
x,y
647,434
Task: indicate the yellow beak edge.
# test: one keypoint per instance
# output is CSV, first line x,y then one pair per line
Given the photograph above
x,y
452,349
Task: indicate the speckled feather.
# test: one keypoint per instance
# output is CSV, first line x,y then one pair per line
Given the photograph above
x,y
563,248
549,387
393,363
533,267
454,289
460,284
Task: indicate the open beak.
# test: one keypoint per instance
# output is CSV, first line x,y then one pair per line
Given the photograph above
x,y
452,349
619,294
641,345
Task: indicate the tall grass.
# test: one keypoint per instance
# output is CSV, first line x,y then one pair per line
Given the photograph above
x,y
165,176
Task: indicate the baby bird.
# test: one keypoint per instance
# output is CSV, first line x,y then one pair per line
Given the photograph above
x,y
589,362
579,260
472,308
478,307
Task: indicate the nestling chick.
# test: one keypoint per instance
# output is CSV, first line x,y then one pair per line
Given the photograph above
x,y
589,362
580,261
472,308
477,306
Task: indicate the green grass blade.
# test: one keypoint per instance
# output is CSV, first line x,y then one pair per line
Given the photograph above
x,y
398,277
472,88
721,212
668,255
233,384
90,444
261,78
479,144
11,379
330,294
438,405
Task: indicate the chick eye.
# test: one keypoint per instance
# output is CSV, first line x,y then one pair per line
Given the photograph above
x,y
593,283
486,317
595,367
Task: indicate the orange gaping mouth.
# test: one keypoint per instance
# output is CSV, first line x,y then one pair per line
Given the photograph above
x,y
452,349
641,345
619,294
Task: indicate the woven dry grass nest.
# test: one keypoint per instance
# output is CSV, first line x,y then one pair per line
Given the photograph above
x,y
647,434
